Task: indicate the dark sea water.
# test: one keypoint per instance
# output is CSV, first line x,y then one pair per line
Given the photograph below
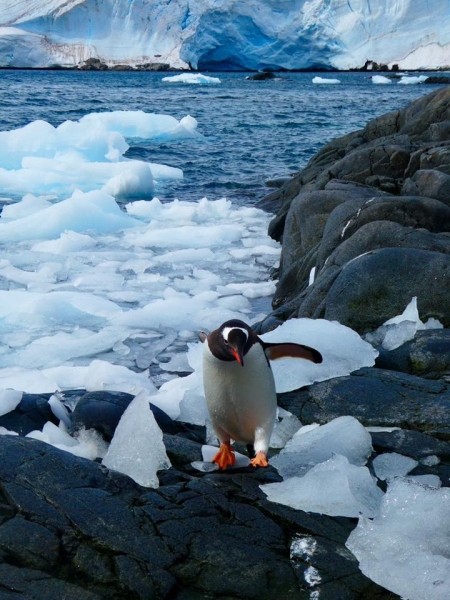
x,y
253,130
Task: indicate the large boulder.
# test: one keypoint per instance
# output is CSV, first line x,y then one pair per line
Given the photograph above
x,y
365,226
374,287
69,528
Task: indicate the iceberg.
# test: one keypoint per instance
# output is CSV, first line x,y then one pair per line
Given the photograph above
x,y
210,35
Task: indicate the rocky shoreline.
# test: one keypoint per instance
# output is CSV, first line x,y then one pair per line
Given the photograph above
x,y
370,214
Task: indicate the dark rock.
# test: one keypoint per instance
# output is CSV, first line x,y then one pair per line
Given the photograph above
x,y
427,355
378,285
441,79
415,444
405,152
376,397
156,66
76,530
93,64
32,412
100,411
385,234
430,183
180,450
262,76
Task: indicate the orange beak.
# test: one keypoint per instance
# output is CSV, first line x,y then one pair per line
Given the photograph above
x,y
238,356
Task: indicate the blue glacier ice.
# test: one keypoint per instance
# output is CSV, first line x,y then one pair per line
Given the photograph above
x,y
226,34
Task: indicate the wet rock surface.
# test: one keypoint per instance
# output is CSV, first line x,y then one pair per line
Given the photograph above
x,y
70,528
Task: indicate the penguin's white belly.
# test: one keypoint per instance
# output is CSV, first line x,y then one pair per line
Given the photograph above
x,y
241,400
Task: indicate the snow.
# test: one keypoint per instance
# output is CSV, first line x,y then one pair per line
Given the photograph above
x,y
197,78
406,547
344,435
137,448
215,36
350,490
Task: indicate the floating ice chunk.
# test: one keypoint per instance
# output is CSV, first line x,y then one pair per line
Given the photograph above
x,y
69,241
325,80
192,236
406,548
27,206
137,448
335,488
93,211
392,464
192,78
285,426
102,375
9,400
141,125
380,79
413,80
344,435
342,349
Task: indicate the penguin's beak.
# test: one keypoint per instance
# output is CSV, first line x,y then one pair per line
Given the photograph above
x,y
237,353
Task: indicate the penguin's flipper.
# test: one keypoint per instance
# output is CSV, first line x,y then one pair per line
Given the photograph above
x,y
225,457
289,349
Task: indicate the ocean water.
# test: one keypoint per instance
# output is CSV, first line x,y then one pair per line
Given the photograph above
x,y
253,130
109,265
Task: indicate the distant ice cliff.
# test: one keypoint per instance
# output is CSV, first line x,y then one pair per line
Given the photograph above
x,y
226,34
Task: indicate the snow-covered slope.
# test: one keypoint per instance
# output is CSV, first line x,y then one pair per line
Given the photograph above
x,y
214,34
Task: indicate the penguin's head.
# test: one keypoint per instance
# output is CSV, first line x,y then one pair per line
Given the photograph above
x,y
231,341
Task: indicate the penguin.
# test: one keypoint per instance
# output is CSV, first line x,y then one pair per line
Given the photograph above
x,y
240,387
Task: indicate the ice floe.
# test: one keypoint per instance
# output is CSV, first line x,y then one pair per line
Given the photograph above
x,y
325,80
380,79
192,78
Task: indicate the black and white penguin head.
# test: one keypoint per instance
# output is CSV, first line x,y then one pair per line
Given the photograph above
x,y
231,341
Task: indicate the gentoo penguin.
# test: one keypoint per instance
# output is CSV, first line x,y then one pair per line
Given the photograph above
x,y
240,388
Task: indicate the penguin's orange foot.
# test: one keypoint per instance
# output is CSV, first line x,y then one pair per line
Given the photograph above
x,y
225,457
260,460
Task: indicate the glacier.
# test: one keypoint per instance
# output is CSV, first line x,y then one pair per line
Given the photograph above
x,y
226,34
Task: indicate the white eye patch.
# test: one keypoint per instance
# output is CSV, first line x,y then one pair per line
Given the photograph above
x,y
226,332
